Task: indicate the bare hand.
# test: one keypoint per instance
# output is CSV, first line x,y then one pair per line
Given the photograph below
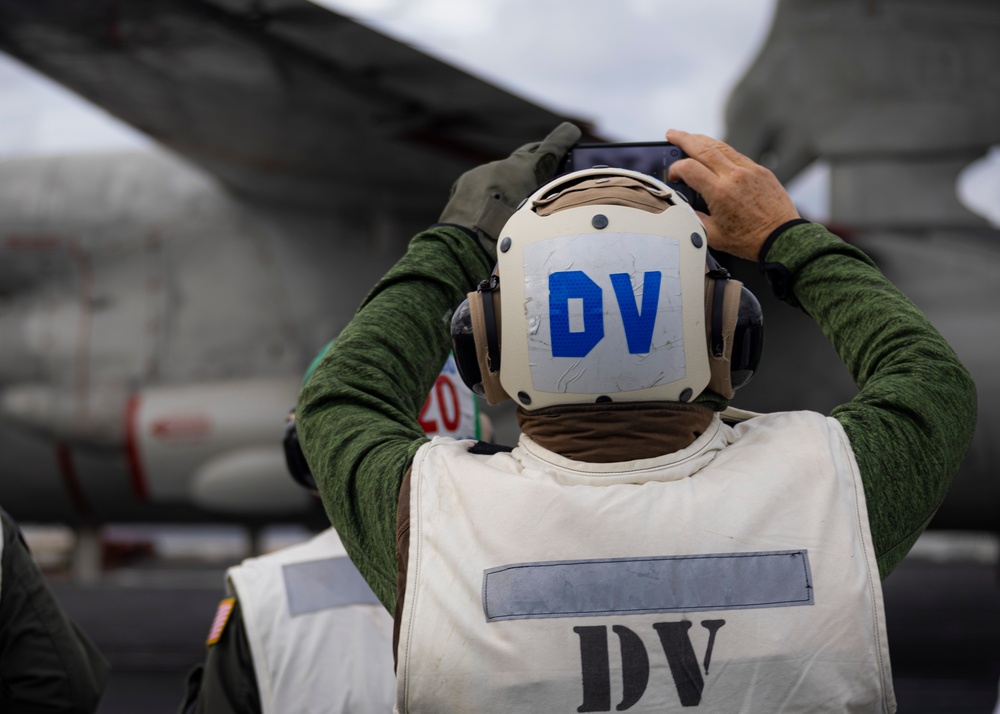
x,y
746,200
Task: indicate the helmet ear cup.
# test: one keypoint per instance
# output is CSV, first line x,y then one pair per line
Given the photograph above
x,y
475,335
463,346
748,340
735,328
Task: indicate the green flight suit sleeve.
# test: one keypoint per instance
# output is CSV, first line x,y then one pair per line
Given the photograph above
x,y
357,412
913,417
47,664
226,683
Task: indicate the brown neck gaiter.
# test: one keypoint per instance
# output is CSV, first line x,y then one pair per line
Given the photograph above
x,y
606,433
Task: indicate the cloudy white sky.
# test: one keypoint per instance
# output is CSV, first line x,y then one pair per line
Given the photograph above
x,y
633,67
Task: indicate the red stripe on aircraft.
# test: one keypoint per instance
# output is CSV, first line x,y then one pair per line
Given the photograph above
x,y
183,427
71,482
138,476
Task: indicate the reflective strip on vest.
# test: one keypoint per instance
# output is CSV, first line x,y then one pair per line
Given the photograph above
x,y
625,586
323,584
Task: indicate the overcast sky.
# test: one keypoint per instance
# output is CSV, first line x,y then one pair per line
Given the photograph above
x,y
632,67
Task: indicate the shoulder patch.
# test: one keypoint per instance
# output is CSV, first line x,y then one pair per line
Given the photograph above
x,y
222,614
483,448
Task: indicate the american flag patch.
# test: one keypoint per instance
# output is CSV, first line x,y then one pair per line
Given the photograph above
x,y
221,618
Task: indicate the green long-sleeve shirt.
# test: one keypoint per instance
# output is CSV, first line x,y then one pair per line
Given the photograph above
x,y
909,425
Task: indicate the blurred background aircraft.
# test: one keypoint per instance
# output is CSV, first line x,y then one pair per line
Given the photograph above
x,y
160,305
166,276
159,302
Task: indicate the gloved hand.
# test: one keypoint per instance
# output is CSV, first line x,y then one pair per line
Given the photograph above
x,y
485,197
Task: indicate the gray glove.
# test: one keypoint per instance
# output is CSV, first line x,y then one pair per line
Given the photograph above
x,y
485,197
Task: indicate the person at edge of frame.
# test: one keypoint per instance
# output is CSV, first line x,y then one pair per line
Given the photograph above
x,y
300,629
47,664
733,567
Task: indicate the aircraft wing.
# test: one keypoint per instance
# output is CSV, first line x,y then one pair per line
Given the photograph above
x,y
283,100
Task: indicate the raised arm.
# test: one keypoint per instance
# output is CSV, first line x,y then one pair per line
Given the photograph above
x,y
913,417
357,413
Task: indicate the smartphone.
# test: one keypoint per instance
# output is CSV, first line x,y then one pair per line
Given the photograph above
x,y
652,158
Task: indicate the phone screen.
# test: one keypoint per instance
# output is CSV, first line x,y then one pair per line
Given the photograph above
x,y
652,159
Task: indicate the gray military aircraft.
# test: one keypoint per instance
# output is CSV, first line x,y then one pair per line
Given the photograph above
x,y
897,97
157,309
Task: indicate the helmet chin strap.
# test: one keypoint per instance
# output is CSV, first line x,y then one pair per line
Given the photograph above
x,y
486,290
719,275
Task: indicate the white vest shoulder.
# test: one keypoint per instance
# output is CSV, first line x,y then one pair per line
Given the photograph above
x,y
320,640
736,575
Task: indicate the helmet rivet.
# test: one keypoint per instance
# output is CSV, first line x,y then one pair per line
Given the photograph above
x,y
696,239
523,396
505,245
603,399
686,394
599,221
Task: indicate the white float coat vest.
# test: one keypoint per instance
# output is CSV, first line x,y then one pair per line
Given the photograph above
x,y
320,639
736,575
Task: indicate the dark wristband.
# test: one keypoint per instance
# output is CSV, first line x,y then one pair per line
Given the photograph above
x,y
775,234
777,274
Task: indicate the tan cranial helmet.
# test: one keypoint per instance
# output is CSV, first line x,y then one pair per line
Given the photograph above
x,y
605,297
